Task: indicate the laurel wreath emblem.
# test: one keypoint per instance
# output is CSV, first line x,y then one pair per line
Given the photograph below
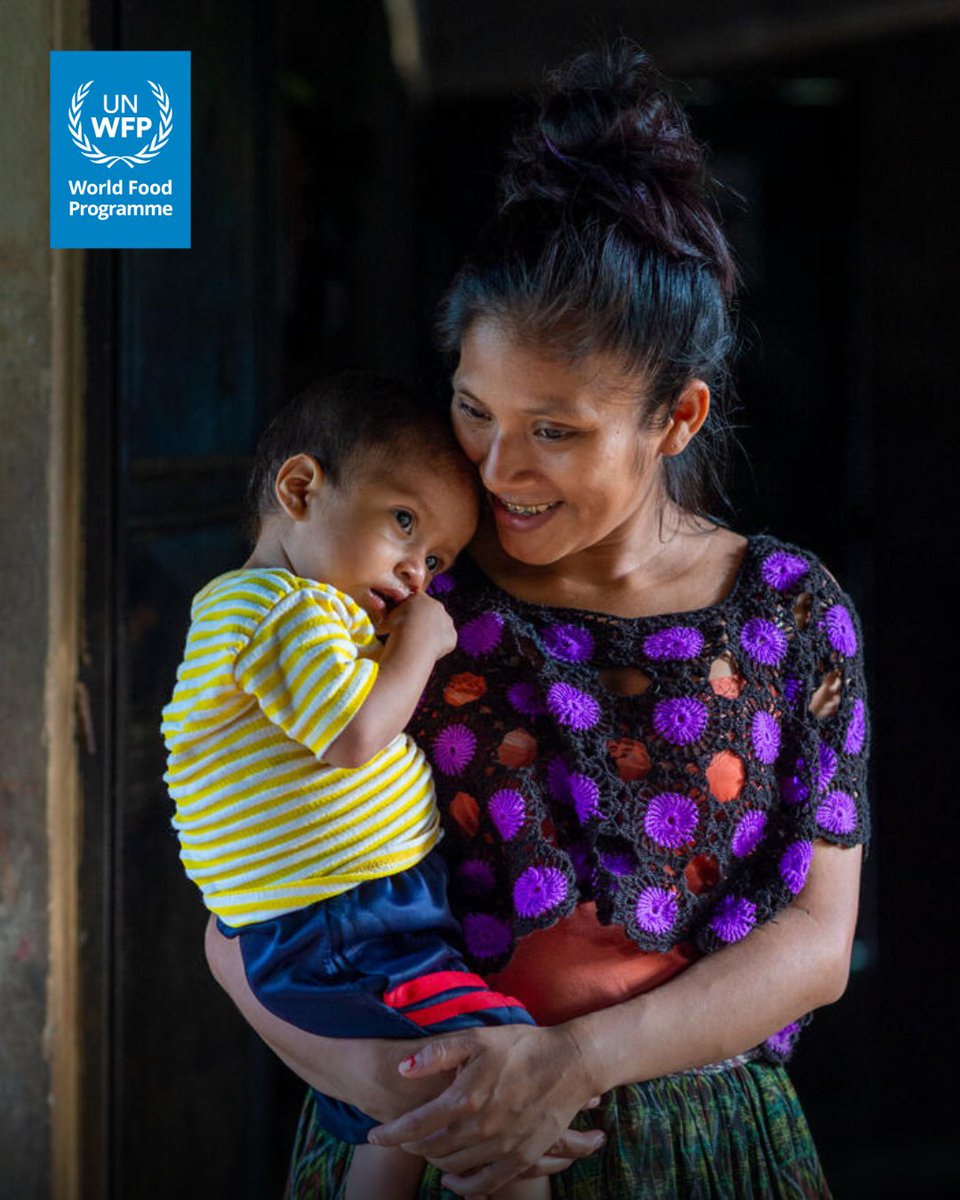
x,y
147,152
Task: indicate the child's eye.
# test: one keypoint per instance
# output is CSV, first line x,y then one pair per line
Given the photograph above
x,y
404,519
433,563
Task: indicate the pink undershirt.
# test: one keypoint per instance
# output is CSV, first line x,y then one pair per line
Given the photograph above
x,y
579,966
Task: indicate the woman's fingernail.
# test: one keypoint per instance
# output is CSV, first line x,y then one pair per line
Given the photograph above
x,y
409,1063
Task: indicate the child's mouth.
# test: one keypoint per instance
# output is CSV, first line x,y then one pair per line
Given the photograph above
x,y
385,602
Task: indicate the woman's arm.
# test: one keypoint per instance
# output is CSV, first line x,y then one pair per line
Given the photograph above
x,y
517,1087
361,1071
731,1000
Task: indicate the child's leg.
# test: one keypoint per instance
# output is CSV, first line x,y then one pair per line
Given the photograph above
x,y
383,1173
389,1173
526,1189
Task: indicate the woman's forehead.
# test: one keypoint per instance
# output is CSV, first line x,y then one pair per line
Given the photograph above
x,y
496,366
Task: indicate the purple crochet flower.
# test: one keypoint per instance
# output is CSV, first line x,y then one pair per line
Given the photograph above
x,y
840,630
618,862
585,796
486,936
735,917
656,910
572,707
476,876
526,699
453,748
507,811
558,780
677,642
679,721
569,642
765,734
792,689
837,813
793,790
795,864
782,570
748,833
763,641
826,766
671,819
857,729
538,890
783,1041
442,584
482,634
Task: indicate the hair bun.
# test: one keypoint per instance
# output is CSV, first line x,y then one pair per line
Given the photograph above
x,y
610,137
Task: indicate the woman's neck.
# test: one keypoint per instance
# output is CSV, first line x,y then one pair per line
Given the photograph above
x,y
684,563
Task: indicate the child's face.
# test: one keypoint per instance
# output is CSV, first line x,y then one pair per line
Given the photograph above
x,y
384,534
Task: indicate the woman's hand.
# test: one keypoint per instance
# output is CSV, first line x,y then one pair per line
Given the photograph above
x,y
508,1111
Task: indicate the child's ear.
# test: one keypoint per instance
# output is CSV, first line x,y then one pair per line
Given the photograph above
x,y
298,478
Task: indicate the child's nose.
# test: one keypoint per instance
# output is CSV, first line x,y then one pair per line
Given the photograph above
x,y
413,572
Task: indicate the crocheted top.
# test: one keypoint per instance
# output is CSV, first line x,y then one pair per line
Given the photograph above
x,y
676,769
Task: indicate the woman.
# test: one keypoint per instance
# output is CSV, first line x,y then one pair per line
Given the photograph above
x,y
650,743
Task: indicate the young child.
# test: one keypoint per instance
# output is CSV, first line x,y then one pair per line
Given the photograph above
x,y
305,814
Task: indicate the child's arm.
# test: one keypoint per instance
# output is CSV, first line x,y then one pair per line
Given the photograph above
x,y
420,631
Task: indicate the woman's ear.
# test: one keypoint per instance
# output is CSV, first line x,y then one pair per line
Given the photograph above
x,y
298,479
689,414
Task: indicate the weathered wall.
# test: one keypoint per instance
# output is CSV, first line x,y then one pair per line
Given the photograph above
x,y
38,315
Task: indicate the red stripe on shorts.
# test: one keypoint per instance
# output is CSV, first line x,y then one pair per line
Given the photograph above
x,y
471,1002
425,986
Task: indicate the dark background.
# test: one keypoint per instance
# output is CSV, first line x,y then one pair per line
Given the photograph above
x,y
338,177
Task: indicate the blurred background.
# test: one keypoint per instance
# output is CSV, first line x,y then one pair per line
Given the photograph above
x,y
344,154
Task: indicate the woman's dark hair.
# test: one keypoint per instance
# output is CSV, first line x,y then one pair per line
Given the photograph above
x,y
344,422
607,240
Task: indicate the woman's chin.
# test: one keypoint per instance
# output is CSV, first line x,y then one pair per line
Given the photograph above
x,y
534,550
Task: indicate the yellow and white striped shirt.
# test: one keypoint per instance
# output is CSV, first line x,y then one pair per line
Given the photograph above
x,y
274,668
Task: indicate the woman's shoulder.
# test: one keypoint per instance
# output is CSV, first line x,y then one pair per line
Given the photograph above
x,y
788,573
746,572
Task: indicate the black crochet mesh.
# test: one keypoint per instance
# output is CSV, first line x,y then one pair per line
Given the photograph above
x,y
524,864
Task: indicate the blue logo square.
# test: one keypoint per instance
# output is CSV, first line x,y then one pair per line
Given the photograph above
x,y
120,149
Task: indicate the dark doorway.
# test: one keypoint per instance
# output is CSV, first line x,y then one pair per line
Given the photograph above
x,y
331,204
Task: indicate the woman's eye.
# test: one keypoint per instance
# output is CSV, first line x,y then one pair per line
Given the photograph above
x,y
404,519
471,413
433,563
549,434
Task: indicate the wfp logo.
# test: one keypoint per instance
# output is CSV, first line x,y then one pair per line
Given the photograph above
x,y
120,118
113,107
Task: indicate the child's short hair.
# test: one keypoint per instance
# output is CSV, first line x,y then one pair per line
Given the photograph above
x,y
343,419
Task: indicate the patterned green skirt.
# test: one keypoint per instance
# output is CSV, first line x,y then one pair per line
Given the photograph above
x,y
732,1132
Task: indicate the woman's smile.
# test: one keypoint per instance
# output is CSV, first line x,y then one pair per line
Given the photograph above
x,y
524,510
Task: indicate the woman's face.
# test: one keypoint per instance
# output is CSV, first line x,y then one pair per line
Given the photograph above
x,y
559,447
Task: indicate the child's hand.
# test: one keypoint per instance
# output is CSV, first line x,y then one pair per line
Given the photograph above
x,y
424,621
419,631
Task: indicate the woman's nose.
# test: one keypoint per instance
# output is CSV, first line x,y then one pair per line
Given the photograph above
x,y
503,463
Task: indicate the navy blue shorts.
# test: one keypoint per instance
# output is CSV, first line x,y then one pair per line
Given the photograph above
x,y
381,960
